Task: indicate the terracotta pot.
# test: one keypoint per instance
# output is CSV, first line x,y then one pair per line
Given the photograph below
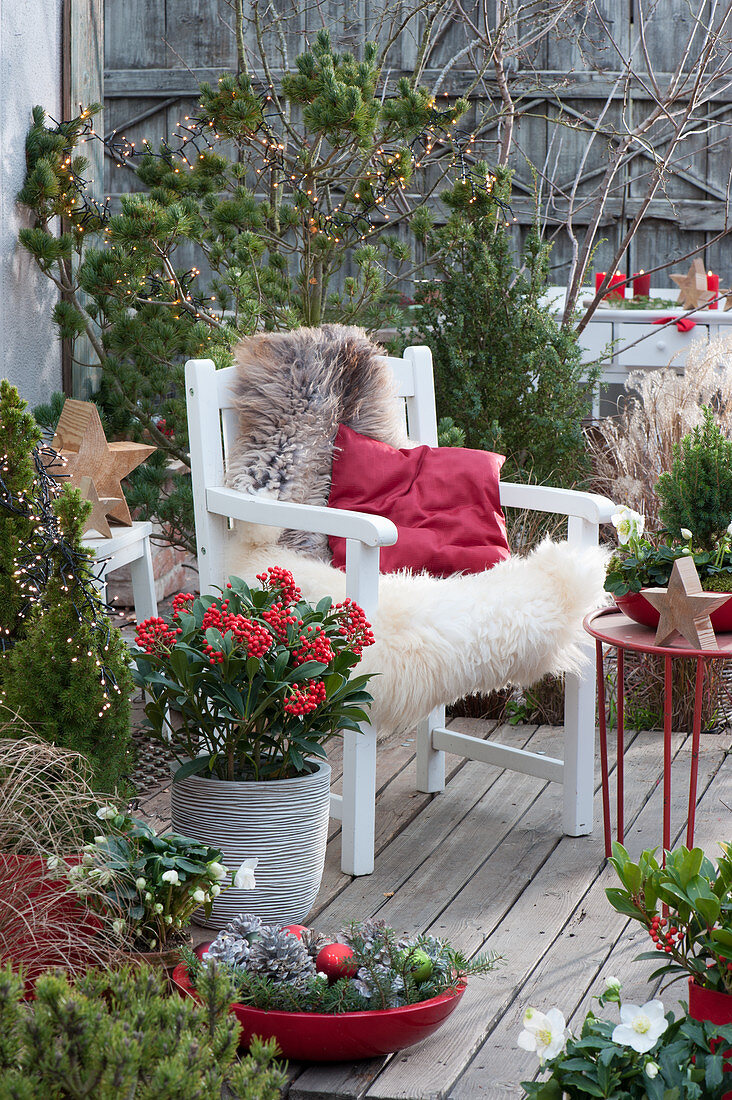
x,y
344,1036
716,1007
637,608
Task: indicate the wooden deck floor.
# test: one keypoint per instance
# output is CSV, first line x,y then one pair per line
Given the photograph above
x,y
484,864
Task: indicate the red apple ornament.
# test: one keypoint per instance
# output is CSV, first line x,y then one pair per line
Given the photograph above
x,y
335,961
296,930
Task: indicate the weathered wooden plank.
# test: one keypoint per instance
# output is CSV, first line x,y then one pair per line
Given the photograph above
x,y
523,936
568,973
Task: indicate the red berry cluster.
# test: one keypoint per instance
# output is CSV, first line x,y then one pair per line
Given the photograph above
x,y
246,633
314,646
155,636
354,625
181,602
304,698
163,427
665,941
280,616
282,579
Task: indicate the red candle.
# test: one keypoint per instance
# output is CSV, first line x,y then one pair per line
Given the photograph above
x,y
713,284
616,287
641,285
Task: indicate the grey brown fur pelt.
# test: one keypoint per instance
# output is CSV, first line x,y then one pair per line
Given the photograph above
x,y
293,390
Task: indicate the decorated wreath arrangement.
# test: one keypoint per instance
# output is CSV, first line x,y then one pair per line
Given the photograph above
x,y
366,966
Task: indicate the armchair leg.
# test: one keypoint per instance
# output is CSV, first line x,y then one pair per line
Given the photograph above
x,y
359,801
579,753
430,761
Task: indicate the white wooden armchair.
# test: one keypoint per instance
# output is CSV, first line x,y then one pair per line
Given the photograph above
x,y
213,429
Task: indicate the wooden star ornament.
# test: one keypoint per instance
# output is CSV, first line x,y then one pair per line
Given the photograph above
x,y
684,607
81,442
693,292
97,518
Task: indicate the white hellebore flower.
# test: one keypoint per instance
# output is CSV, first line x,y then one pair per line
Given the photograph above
x,y
52,863
199,896
641,1026
215,890
217,871
686,534
106,813
544,1033
158,908
729,529
170,876
611,982
140,883
118,926
244,877
628,524
651,1069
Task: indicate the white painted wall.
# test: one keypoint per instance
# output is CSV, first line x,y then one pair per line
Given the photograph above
x,y
30,73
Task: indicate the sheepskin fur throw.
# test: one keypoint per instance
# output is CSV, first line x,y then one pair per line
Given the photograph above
x,y
437,639
293,390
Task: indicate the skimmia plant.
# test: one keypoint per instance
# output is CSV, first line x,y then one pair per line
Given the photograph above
x,y
250,684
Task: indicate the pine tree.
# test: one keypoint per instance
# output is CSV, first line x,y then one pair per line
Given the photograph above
x,y
696,493
64,669
506,372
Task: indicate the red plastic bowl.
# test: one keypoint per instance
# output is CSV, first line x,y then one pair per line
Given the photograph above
x,y
316,1037
637,608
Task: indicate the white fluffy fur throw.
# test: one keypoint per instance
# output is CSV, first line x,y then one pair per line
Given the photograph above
x,y
437,639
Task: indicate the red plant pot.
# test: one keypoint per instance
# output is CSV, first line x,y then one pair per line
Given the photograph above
x,y
346,1037
716,1007
637,608
58,933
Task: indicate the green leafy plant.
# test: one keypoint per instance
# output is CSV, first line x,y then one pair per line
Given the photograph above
x,y
694,933
258,678
275,969
289,200
63,666
647,1056
116,1034
507,373
150,885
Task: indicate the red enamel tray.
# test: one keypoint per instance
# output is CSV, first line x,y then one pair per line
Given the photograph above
x,y
316,1037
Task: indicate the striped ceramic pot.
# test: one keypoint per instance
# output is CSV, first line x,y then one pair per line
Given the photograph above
x,y
283,822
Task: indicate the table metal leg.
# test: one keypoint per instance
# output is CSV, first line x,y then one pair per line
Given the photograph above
x,y
603,747
695,736
620,774
667,709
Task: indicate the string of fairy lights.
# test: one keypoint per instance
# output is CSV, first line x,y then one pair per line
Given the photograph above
x,y
197,135
46,553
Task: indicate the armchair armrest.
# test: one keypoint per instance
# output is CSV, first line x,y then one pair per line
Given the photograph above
x,y
564,502
365,528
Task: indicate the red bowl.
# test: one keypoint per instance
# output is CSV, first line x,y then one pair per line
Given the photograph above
x,y
346,1037
637,608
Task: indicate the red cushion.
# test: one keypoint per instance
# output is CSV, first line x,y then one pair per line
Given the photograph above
x,y
444,501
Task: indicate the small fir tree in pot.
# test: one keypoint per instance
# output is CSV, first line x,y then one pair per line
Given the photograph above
x,y
64,670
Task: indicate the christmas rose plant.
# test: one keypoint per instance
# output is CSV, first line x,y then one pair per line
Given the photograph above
x,y
150,885
252,683
686,908
648,1055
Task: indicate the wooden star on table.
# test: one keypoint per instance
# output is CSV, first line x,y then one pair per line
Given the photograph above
x,y
684,607
693,287
82,444
97,518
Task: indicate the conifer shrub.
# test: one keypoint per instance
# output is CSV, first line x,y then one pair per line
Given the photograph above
x,y
507,373
116,1034
696,493
64,668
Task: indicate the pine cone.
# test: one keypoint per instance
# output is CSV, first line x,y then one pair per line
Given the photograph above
x,y
312,941
280,956
246,925
228,948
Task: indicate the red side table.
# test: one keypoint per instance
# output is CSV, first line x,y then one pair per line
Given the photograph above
x,y
611,627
